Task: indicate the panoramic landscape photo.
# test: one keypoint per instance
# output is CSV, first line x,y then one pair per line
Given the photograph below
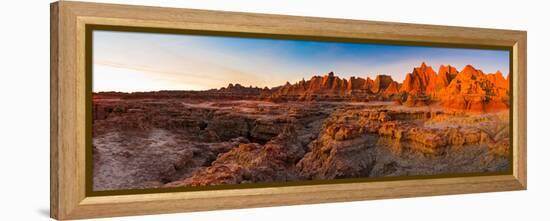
x,y
175,110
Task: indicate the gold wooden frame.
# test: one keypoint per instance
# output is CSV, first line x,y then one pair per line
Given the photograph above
x,y
68,109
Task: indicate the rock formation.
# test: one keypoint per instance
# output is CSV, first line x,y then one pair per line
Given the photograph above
x,y
331,87
421,81
437,123
472,90
392,89
203,141
467,90
252,163
381,83
445,75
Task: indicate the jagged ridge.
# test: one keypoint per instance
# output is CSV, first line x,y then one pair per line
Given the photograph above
x,y
469,89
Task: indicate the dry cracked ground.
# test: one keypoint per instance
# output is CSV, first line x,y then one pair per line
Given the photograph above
x,y
152,143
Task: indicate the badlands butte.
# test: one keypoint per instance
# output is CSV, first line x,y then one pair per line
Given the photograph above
x,y
433,123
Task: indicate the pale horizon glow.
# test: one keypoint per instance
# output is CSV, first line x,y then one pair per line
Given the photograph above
x,y
132,61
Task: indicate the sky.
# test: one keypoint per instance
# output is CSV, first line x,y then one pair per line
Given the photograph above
x,y
134,61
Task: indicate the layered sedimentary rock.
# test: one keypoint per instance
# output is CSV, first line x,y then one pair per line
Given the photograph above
x,y
330,87
499,81
381,83
231,92
239,134
342,149
475,91
417,101
391,89
445,75
228,142
252,163
370,143
467,90
424,81
421,81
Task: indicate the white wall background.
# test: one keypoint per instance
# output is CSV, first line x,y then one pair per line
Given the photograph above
x,y
24,109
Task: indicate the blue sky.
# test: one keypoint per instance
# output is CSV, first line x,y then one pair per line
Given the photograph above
x,y
130,61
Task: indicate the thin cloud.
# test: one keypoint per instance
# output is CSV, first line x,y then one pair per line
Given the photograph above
x,y
185,62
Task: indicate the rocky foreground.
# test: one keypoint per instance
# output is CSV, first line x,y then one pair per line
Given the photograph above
x,y
146,143
324,128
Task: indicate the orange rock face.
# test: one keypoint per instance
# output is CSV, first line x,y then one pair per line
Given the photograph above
x,y
498,80
204,139
467,90
331,87
393,88
422,80
444,76
472,90
381,83
417,101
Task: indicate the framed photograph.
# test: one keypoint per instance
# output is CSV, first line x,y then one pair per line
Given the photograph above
x,y
160,110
